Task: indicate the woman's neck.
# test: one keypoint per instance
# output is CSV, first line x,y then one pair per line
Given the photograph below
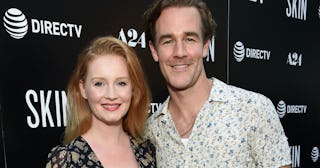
x,y
105,134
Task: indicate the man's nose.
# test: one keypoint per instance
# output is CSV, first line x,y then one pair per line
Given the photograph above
x,y
180,49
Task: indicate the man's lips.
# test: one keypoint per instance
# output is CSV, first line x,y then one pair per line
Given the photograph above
x,y
180,67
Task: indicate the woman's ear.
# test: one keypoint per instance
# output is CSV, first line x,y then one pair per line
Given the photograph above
x,y
82,89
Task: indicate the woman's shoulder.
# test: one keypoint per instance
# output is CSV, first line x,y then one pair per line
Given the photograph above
x,y
74,153
143,144
58,157
145,152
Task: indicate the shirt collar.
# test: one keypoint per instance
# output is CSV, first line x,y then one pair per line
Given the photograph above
x,y
218,93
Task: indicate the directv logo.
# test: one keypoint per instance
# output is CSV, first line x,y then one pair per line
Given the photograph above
x,y
281,108
15,23
315,154
154,107
238,51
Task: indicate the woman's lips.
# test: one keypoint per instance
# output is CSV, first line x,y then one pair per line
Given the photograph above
x,y
111,106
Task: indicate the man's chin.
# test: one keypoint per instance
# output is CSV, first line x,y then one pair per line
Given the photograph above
x,y
178,86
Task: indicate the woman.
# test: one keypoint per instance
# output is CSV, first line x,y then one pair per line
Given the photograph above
x,y
108,100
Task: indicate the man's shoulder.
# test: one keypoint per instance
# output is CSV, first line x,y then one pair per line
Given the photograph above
x,y
235,93
249,99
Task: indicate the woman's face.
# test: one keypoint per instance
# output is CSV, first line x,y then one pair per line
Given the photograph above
x,y
108,89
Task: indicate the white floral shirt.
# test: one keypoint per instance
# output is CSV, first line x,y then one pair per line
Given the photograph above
x,y
235,128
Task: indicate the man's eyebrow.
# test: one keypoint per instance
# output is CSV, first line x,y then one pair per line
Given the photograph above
x,y
164,36
192,34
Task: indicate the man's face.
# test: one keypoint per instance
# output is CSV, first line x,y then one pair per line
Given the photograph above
x,y
179,46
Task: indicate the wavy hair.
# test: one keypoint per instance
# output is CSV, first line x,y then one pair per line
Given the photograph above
x,y
152,14
79,113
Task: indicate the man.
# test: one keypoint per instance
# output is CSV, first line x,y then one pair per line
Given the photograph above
x,y
205,122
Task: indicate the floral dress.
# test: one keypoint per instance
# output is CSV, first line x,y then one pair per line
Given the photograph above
x,y
79,154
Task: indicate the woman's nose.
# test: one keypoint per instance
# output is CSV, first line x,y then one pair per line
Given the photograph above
x,y
110,93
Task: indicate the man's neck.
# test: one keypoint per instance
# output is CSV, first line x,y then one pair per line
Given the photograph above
x,y
188,102
184,106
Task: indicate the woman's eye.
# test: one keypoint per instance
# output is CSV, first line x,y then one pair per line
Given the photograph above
x,y
98,84
122,83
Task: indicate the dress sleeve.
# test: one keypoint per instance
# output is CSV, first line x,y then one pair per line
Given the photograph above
x,y
57,158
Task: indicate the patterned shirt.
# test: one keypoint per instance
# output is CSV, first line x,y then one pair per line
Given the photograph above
x,y
234,128
78,154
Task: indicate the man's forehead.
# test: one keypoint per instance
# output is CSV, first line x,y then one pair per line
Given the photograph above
x,y
178,20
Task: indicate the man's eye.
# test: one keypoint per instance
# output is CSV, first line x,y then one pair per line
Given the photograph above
x,y
190,39
167,42
98,84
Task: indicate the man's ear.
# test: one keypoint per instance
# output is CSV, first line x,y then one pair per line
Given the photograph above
x,y
153,51
206,48
82,89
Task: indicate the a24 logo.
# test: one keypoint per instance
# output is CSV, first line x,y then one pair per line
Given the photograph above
x,y
294,59
132,38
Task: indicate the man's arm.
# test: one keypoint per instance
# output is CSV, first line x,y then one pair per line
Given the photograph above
x,y
271,146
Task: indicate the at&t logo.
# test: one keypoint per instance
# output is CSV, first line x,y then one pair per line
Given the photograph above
x,y
240,52
283,108
15,23
315,154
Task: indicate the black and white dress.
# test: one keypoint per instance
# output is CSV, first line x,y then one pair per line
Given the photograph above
x,y
78,153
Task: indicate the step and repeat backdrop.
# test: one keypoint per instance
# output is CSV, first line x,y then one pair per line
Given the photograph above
x,y
267,47
39,44
274,50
